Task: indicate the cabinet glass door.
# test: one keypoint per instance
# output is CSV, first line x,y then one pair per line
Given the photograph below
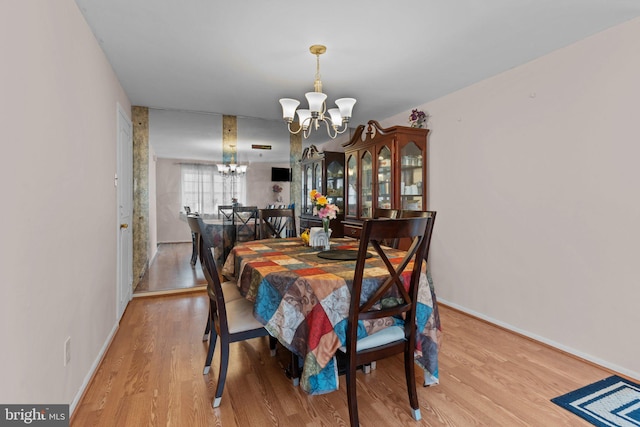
x,y
384,178
352,182
411,164
335,184
308,184
366,188
317,177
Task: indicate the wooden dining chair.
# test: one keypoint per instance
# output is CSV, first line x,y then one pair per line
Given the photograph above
x,y
398,295
245,219
230,288
277,223
231,321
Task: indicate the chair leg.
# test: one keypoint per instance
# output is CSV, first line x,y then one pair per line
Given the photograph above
x,y
272,345
212,347
207,329
213,337
222,374
194,254
295,369
409,371
351,392
369,367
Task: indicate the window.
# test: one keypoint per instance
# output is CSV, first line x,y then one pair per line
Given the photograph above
x,y
203,188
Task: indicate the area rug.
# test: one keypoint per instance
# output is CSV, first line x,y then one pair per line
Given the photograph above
x,y
611,402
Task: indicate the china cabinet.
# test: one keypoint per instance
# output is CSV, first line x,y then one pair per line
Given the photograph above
x,y
324,172
386,169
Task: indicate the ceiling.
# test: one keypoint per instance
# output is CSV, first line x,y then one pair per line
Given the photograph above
x,y
239,57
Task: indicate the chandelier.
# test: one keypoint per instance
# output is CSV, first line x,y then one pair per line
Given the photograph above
x,y
231,169
230,173
310,119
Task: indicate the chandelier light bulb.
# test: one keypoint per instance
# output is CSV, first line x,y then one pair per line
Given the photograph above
x,y
336,120
289,108
231,169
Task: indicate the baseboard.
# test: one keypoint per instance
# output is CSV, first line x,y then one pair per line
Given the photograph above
x,y
93,370
169,292
614,369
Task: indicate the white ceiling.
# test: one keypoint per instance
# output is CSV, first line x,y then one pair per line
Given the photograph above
x,y
239,57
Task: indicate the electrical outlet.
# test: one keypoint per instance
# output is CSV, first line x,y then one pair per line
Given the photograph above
x,y
67,351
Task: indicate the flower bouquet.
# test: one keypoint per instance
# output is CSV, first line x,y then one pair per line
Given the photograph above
x,y
418,119
325,211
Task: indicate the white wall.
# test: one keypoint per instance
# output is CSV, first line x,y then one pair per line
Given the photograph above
x,y
170,228
535,177
58,222
260,187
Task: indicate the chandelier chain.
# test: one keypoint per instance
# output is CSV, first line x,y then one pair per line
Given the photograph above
x,y
317,85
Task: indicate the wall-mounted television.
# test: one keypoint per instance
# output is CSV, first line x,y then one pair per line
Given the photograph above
x,y
280,174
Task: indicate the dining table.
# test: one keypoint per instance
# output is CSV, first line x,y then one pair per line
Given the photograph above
x,y
302,299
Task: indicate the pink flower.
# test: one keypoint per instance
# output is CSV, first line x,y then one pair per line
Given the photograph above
x,y
321,206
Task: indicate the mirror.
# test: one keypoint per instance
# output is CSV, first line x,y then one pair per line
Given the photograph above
x,y
182,137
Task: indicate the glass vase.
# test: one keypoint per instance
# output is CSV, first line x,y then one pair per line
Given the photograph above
x,y
325,227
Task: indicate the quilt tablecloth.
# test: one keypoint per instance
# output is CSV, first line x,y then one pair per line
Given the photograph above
x,y
303,301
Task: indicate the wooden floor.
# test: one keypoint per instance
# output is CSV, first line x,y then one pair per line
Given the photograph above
x,y
152,375
171,270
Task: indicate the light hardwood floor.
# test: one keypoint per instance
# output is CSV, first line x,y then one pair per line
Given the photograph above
x,y
152,375
171,271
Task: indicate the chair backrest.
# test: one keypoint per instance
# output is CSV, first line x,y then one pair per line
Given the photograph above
x,y
199,229
415,214
245,219
385,213
403,243
398,294
277,223
389,214
205,236
225,212
187,209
